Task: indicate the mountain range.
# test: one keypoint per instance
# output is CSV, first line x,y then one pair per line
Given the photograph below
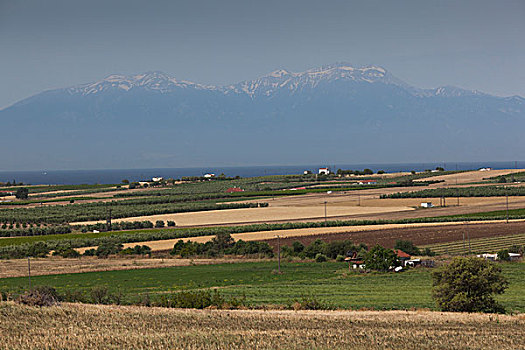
x,y
333,114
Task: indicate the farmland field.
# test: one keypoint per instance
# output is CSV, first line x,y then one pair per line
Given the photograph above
x,y
330,283
480,245
77,326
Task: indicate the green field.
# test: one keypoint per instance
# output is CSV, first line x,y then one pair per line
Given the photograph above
x,y
330,283
479,245
501,214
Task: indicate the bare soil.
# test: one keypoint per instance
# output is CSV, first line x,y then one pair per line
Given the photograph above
x,y
418,235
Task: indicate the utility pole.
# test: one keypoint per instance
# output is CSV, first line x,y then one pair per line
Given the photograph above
x,y
279,253
358,199
457,189
108,221
507,203
325,212
468,237
464,248
29,270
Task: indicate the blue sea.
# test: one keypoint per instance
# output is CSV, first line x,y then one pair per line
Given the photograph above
x,y
111,176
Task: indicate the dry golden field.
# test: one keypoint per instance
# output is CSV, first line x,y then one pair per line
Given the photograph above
x,y
471,176
77,326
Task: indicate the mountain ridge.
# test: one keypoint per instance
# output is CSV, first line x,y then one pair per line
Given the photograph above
x,y
334,113
266,84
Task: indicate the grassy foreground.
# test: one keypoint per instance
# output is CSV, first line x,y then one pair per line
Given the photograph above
x,y
330,283
77,326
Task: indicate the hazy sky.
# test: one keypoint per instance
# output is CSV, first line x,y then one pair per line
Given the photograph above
x,y
49,44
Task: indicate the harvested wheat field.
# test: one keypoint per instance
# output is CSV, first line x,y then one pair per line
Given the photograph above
x,y
272,213
77,326
470,176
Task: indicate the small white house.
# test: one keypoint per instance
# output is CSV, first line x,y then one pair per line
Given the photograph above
x,y
514,256
427,205
157,179
324,171
485,169
209,175
487,256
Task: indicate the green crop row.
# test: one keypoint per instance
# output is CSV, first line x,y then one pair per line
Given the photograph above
x,y
475,191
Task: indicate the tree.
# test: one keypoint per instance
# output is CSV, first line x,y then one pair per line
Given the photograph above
x,y
22,193
468,285
380,259
503,255
408,247
125,181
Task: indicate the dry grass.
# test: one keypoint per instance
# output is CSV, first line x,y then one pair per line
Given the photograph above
x,y
56,265
470,176
75,326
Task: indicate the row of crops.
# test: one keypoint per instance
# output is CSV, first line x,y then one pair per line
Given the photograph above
x,y
473,191
479,245
59,214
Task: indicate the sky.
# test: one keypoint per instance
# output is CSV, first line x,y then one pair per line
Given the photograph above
x,y
473,44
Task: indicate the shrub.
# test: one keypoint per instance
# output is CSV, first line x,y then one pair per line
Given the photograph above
x,y
108,248
136,250
195,300
340,258
298,247
316,247
503,255
100,295
320,258
67,252
38,250
171,223
159,224
90,252
22,193
39,296
309,303
468,285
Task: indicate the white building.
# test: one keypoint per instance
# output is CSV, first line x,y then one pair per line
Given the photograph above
x,y
324,171
427,205
209,176
157,179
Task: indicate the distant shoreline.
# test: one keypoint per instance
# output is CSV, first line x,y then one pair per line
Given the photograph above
x,y
110,176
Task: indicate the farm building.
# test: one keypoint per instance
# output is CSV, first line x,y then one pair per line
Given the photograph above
x,y
209,175
354,262
367,182
426,205
157,179
402,257
324,171
234,189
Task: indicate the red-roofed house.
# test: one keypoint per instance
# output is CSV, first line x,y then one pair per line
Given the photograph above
x,y
402,256
234,189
